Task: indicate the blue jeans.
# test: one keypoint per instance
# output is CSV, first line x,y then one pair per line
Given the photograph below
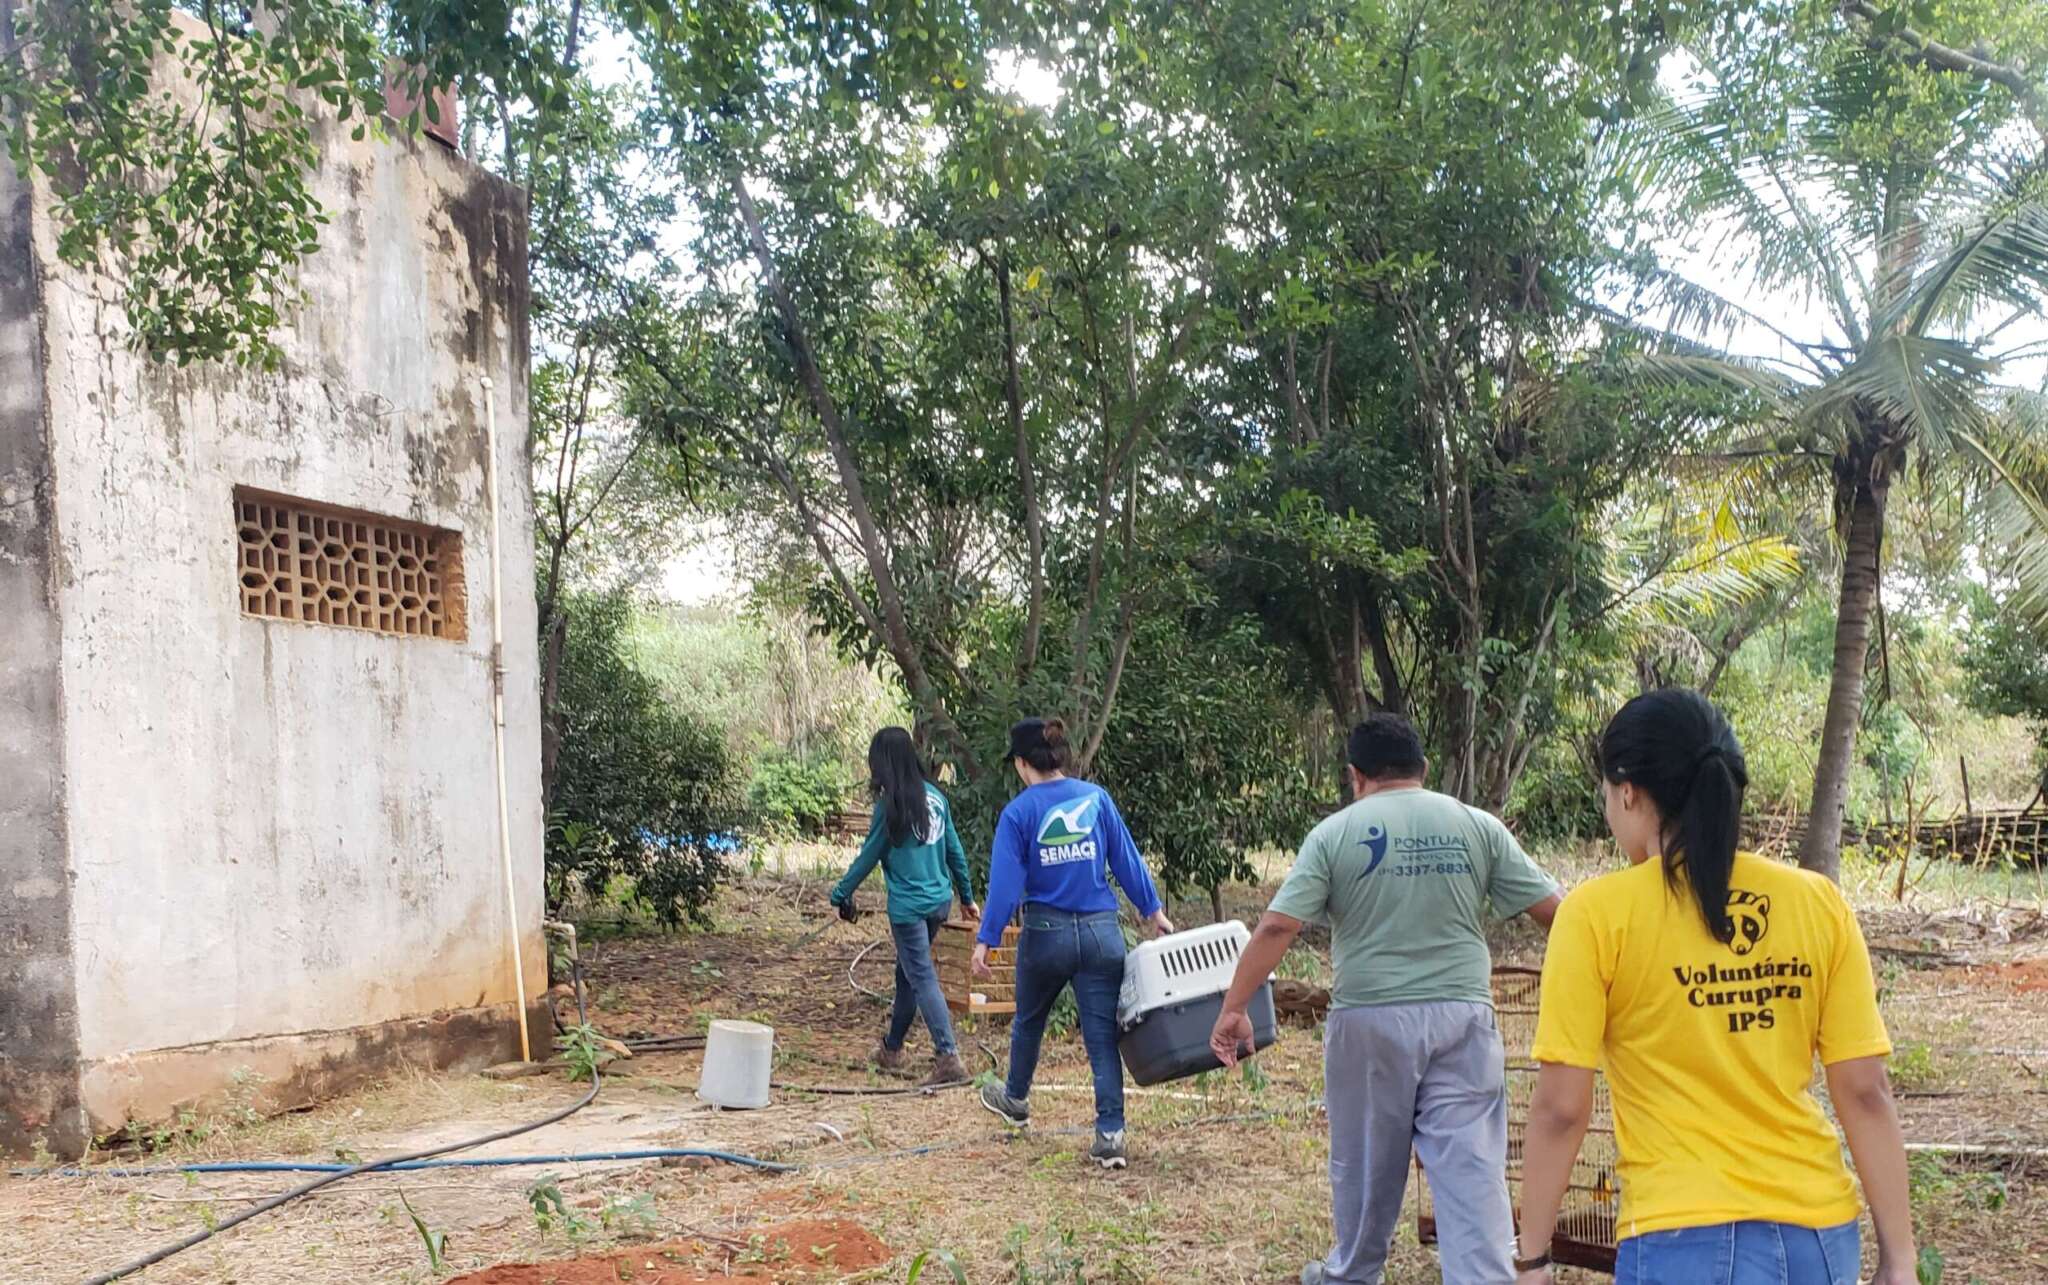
x,y
1059,948
917,986
1742,1254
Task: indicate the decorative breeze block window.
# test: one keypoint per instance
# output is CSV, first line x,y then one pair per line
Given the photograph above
x,y
322,565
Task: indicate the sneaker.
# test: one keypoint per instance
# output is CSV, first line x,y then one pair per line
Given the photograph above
x,y
1315,1273
948,1069
887,1059
1015,1114
1108,1150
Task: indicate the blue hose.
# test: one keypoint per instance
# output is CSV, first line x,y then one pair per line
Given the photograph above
x,y
466,1162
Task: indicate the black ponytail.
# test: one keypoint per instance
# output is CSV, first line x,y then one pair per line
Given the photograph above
x,y
897,777
1674,745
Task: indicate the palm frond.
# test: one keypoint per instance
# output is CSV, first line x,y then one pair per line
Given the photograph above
x,y
2012,449
1932,389
1701,315
2001,261
1685,561
1706,167
1714,373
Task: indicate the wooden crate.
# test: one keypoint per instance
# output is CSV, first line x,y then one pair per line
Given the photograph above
x,y
952,952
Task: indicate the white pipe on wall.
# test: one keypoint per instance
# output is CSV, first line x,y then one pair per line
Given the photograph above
x,y
498,709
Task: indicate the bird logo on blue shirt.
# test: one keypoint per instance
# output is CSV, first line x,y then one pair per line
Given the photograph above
x,y
1375,842
1069,825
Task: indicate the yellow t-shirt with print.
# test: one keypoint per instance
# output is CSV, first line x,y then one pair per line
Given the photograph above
x,y
1709,1048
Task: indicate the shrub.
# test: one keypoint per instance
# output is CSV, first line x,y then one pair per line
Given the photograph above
x,y
794,795
641,789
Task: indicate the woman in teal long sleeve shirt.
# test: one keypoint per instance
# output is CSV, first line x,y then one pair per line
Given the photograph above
x,y
911,836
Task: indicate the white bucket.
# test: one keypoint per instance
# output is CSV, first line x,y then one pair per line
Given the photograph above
x,y
739,1060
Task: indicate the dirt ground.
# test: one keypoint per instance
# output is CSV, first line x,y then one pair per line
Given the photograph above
x,y
1226,1182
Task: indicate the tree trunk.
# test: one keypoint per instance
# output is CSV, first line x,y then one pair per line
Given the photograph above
x,y
1216,902
1027,487
1393,694
553,639
895,634
1821,849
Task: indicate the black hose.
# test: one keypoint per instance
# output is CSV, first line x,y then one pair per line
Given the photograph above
x,y
328,1179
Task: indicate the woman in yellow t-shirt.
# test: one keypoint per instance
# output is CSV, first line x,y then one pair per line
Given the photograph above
x,y
1705,981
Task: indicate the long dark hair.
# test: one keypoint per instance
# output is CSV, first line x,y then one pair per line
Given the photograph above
x,y
1674,744
897,777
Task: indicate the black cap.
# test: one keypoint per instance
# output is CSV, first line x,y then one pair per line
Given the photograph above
x,y
1027,736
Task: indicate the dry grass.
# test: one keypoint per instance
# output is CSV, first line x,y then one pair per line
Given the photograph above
x,y
1227,1178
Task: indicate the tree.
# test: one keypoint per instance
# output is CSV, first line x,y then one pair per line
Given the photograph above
x,y
1205,755
208,211
641,790
1444,420
2007,668
1888,191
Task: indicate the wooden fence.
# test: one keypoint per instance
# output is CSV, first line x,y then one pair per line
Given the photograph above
x,y
2015,835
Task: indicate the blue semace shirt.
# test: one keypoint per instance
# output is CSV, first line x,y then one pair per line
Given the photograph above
x,y
1059,844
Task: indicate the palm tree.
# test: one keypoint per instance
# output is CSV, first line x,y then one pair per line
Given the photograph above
x,y
1892,199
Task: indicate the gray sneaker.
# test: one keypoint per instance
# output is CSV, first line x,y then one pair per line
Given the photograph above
x,y
1315,1273
1108,1150
1016,1114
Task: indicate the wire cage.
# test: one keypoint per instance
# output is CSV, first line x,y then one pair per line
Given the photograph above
x,y
1587,1221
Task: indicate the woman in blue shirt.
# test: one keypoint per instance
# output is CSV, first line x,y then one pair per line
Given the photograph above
x,y
1058,845
911,836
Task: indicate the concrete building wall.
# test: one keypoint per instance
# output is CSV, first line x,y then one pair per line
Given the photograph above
x,y
38,993
280,829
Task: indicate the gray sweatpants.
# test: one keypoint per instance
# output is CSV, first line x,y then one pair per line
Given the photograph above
x,y
1426,1077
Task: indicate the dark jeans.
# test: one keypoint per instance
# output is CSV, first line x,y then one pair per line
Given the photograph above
x,y
917,986
1752,1253
1056,949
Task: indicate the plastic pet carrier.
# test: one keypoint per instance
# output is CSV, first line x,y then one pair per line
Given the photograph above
x,y
1173,990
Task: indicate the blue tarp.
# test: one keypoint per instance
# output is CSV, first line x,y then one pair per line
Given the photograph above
x,y
724,843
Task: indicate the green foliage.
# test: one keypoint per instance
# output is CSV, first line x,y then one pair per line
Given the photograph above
x,y
551,1208
630,1215
2006,664
641,790
1912,1066
1205,755
1929,1179
192,180
769,679
581,1053
435,1242
1057,1259
793,795
944,1258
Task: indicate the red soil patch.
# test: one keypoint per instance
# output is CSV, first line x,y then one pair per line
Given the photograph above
x,y
791,1251
2027,976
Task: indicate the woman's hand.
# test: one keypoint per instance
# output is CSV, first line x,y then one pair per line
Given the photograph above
x,y
1161,925
970,910
980,961
1891,1273
1539,1276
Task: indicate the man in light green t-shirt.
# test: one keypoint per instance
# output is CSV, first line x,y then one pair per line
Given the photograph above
x,y
1412,1057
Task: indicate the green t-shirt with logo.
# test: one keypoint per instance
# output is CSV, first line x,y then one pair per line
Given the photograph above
x,y
1405,878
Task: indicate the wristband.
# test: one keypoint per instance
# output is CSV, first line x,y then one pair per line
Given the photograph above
x,y
1531,1264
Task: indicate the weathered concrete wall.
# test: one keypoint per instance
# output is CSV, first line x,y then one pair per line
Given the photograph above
x,y
281,828
38,996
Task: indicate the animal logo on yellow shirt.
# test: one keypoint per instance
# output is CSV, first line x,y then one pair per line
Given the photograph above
x,y
1751,914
